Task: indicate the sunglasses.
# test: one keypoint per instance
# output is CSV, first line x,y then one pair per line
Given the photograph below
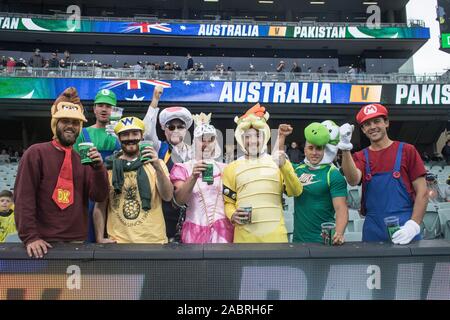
x,y
172,127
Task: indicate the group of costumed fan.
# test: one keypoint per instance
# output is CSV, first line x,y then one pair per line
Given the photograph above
x,y
165,197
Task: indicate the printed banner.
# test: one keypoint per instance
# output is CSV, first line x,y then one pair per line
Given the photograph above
x,y
230,91
212,30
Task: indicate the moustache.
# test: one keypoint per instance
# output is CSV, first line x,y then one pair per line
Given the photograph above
x,y
130,142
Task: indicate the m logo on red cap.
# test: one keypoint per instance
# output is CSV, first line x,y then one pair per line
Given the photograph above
x,y
370,109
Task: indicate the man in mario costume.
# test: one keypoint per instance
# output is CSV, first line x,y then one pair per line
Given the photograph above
x,y
392,176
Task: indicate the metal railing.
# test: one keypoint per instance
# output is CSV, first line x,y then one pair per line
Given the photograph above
x,y
120,73
411,23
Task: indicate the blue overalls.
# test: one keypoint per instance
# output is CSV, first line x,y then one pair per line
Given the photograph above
x,y
385,195
104,153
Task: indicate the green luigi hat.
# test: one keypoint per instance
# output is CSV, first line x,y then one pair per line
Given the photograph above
x,y
317,134
106,96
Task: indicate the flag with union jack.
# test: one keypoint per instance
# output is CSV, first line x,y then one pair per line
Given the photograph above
x,y
137,87
146,27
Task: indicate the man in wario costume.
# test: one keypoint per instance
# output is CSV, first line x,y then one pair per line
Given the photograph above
x,y
256,182
136,191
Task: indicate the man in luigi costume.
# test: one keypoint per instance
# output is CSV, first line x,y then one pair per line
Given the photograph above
x,y
105,143
324,190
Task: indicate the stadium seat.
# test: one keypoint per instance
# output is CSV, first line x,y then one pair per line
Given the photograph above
x,y
431,226
444,217
353,215
443,205
350,226
14,237
447,230
353,236
432,207
358,225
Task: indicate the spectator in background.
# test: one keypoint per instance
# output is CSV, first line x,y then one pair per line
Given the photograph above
x,y
435,194
3,62
332,70
10,65
53,63
319,70
296,68
251,68
36,60
126,65
67,58
425,157
190,62
294,153
7,224
15,157
281,66
4,157
446,152
309,70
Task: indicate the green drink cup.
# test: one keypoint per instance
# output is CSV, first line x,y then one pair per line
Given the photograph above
x,y
208,174
392,225
328,231
142,145
84,148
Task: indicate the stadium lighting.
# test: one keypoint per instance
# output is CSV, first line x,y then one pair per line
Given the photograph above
x,y
211,0
370,2
265,1
317,2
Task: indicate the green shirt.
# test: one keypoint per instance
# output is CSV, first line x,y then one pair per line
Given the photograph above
x,y
99,137
315,205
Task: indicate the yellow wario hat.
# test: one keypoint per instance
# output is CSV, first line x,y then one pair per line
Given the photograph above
x,y
68,106
256,117
129,123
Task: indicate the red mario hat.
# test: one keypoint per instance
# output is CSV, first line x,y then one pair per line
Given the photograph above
x,y
371,111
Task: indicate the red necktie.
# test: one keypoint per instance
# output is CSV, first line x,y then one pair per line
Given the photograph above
x,y
63,193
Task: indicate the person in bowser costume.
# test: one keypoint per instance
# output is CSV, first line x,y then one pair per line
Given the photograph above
x,y
392,175
175,122
256,181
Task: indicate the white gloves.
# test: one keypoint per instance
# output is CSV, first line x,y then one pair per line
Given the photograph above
x,y
406,233
345,136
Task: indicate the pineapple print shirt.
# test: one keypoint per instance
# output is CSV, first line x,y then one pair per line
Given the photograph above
x,y
127,221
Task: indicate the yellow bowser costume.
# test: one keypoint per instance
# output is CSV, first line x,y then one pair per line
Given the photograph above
x,y
258,183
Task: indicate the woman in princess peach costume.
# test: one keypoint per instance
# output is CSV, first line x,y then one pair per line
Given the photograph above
x,y
205,220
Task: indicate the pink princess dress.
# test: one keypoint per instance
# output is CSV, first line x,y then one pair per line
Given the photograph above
x,y
205,214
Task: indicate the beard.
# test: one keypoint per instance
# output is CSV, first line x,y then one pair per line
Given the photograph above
x,y
66,139
130,147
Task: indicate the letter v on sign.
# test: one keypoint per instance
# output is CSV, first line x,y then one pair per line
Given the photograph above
x,y
365,94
